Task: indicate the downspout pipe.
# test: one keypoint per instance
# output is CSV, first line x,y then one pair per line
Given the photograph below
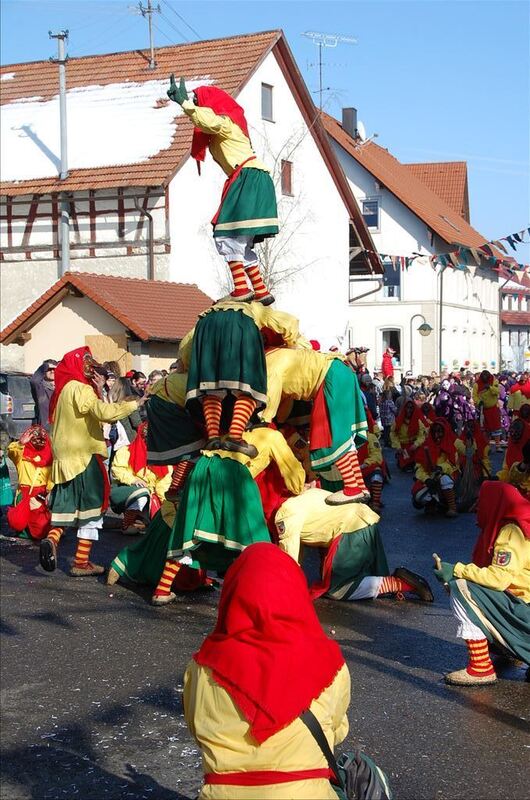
x,y
370,291
150,238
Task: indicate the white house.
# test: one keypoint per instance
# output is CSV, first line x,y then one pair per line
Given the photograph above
x,y
515,321
138,207
406,217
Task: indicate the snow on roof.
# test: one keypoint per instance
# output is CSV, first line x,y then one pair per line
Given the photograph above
x,y
7,76
112,125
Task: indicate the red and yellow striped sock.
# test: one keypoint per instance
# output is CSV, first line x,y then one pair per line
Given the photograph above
x,y
180,473
212,408
257,282
243,409
55,535
376,490
82,553
357,471
129,518
480,663
240,279
346,466
392,585
166,579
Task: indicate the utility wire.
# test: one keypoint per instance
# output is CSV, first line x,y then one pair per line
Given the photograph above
x,y
174,27
155,26
166,3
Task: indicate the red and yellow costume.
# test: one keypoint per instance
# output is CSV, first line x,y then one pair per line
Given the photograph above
x,y
486,393
439,457
34,465
407,432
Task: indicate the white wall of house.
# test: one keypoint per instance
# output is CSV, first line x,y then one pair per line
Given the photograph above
x,y
313,241
470,330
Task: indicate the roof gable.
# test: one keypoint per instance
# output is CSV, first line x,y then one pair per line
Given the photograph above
x,y
412,192
447,179
158,310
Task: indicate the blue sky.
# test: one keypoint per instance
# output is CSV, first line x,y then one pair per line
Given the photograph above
x,y
436,79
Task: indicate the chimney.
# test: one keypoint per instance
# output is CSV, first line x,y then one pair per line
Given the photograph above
x,y
349,122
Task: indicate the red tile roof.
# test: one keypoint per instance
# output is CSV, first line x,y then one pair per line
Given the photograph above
x,y
157,310
229,63
515,318
399,180
447,179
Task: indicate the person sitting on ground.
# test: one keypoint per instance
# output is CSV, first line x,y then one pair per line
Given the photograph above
x,y
486,396
490,597
32,456
408,431
519,473
266,662
437,460
518,436
137,485
355,565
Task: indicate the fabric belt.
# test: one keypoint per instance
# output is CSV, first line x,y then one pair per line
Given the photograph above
x,y
264,777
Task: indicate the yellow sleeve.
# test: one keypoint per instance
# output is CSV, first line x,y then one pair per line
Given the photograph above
x,y
274,396
460,447
394,440
207,120
120,470
87,402
14,452
516,476
375,454
163,484
185,347
475,394
342,689
292,471
422,435
507,561
278,321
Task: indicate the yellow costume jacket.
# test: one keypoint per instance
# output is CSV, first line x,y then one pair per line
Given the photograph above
x,y
123,473
488,397
401,440
77,434
510,566
375,454
518,478
308,519
29,474
221,731
228,145
172,388
447,467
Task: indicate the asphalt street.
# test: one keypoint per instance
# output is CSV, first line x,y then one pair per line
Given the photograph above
x,y
92,680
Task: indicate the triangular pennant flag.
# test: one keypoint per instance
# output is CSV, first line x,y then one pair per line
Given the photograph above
x,y
522,234
454,259
498,244
394,262
517,237
510,242
486,249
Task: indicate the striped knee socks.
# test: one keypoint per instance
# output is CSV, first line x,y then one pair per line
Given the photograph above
x,y
212,408
166,579
82,553
257,282
350,472
392,585
376,490
55,535
480,663
240,280
129,518
243,409
180,473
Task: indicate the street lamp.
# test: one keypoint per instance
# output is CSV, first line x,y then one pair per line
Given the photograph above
x,y
424,330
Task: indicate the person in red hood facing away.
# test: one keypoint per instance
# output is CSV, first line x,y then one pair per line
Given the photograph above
x,y
387,367
247,213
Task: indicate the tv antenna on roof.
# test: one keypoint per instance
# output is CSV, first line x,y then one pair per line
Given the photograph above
x,y
326,40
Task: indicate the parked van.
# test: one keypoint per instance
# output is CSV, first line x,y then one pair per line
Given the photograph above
x,y
17,407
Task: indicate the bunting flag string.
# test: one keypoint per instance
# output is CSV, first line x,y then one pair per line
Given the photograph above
x,y
462,257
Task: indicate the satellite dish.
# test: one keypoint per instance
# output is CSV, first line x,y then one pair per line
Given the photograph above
x,y
361,130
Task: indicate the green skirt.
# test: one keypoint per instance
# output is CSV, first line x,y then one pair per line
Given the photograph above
x,y
122,496
82,499
502,617
172,435
249,208
350,558
345,414
227,353
220,514
6,492
143,561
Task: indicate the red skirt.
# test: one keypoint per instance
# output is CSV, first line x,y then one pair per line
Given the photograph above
x,y
492,419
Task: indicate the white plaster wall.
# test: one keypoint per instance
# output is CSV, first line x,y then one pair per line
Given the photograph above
x,y
314,240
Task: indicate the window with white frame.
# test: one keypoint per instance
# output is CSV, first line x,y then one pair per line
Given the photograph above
x,y
391,280
370,212
391,337
266,102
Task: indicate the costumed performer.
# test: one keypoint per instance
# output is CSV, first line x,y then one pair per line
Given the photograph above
x,y
437,462
224,354
338,417
518,436
519,473
266,662
219,515
32,456
407,432
81,485
355,565
490,597
137,485
173,437
247,213
486,396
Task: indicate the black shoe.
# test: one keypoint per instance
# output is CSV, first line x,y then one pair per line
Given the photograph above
x,y
421,587
266,300
48,555
213,444
240,446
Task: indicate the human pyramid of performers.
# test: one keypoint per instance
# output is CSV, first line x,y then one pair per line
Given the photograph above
x,y
258,436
